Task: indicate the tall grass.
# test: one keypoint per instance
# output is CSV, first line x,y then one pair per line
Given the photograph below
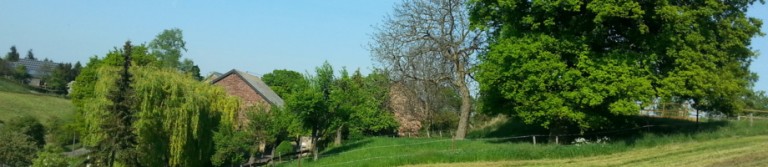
x,y
379,151
12,86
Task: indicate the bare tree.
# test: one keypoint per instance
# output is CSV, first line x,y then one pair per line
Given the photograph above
x,y
430,42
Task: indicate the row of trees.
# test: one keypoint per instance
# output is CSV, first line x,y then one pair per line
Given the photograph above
x,y
13,55
137,108
322,106
573,63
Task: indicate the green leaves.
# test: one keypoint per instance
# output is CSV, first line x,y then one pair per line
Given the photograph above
x,y
552,60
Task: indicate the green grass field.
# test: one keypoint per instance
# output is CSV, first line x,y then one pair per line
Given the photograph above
x,y
658,146
11,86
731,151
16,100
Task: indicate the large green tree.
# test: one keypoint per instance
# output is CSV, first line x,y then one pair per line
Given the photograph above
x,y
580,63
168,46
285,82
173,116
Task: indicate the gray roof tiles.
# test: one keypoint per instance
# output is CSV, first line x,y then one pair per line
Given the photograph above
x,y
35,68
257,84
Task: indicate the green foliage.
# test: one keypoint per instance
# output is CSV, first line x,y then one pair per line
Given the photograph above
x,y
174,116
757,100
30,55
13,55
177,117
232,146
16,149
167,46
60,76
189,67
285,82
5,68
51,156
20,73
284,147
583,62
29,126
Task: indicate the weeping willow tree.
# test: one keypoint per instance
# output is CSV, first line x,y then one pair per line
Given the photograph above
x,y
177,117
174,116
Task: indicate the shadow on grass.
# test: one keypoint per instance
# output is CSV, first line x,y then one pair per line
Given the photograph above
x,y
348,147
628,130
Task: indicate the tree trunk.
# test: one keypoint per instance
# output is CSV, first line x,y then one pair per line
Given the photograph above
x,y
315,144
337,141
556,129
466,105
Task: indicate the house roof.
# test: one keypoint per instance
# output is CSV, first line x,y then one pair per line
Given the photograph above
x,y
256,84
35,68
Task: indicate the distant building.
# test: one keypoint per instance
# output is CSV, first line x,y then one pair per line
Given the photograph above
x,y
253,92
251,89
36,69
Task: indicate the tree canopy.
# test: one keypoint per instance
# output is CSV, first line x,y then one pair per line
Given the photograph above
x,y
174,116
580,62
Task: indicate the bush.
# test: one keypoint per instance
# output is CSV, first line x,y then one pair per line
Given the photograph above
x,y
284,147
30,127
50,157
16,149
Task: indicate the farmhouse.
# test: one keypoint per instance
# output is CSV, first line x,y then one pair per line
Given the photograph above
x,y
36,69
251,90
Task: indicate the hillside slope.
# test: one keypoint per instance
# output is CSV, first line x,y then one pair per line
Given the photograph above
x,y
12,86
42,107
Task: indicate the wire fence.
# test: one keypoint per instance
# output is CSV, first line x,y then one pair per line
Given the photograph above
x,y
531,137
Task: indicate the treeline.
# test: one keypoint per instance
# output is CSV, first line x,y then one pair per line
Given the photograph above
x,y
324,107
136,107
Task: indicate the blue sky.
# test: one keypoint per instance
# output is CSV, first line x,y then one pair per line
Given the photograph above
x,y
255,36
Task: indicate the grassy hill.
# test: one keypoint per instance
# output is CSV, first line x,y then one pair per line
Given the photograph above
x,y
12,86
16,100
732,151
718,142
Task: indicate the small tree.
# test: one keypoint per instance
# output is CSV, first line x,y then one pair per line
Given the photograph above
x,y
20,73
31,56
51,156
13,55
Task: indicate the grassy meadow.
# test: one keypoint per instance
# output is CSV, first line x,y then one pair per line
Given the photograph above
x,y
16,100
673,144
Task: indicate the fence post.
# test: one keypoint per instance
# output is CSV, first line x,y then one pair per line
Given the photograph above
x,y
751,119
557,139
453,144
534,140
738,117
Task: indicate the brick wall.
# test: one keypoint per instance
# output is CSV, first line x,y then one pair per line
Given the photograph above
x,y
237,87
